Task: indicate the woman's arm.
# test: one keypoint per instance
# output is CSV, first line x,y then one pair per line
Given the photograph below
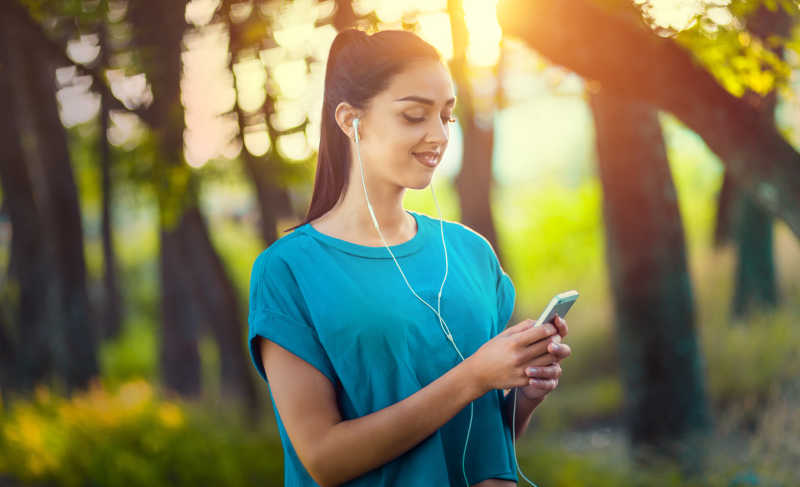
x,y
335,450
525,407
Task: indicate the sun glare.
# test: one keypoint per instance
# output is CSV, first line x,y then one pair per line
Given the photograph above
x,y
484,32
435,29
282,69
678,15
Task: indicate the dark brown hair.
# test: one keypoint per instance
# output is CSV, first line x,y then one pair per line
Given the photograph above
x,y
359,67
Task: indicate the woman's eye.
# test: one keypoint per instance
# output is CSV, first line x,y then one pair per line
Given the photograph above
x,y
414,119
422,119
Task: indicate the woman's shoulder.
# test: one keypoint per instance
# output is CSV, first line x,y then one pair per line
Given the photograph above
x,y
282,251
466,235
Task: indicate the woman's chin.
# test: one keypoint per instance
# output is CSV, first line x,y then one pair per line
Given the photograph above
x,y
422,182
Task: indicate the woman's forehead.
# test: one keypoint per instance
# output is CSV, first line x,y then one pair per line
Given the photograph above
x,y
421,83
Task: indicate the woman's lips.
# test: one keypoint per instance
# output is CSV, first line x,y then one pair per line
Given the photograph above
x,y
430,159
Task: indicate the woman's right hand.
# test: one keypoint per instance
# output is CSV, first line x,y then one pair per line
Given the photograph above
x,y
500,363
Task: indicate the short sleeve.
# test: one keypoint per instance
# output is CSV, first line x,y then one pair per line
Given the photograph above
x,y
506,295
504,288
278,312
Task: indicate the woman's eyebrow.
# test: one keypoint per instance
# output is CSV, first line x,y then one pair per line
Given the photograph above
x,y
426,101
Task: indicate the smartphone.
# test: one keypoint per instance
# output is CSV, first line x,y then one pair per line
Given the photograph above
x,y
561,303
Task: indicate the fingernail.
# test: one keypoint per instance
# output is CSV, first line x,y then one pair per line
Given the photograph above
x,y
533,370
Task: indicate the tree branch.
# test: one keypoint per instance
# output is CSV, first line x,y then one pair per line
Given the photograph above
x,y
620,53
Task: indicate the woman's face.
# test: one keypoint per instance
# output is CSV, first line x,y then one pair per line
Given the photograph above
x,y
404,130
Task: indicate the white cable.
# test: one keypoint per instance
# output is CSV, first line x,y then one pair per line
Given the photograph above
x,y
514,438
442,323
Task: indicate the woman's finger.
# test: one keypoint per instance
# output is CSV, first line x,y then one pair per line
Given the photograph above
x,y
544,384
543,359
539,347
533,334
560,350
546,372
561,325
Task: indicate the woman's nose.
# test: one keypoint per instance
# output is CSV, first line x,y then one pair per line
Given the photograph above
x,y
440,132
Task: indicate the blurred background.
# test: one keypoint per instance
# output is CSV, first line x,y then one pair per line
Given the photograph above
x,y
642,152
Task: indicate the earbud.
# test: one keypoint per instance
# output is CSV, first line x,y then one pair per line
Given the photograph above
x,y
355,127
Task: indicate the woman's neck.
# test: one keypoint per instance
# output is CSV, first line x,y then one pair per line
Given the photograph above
x,y
350,220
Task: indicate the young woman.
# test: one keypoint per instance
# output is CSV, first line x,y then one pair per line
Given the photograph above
x,y
371,361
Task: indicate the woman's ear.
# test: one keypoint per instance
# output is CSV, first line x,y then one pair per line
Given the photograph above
x,y
344,115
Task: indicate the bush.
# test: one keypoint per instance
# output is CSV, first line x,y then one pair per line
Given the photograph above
x,y
131,437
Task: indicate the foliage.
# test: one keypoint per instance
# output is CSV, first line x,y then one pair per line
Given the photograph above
x,y
738,60
130,436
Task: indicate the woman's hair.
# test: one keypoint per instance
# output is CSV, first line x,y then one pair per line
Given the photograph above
x,y
359,67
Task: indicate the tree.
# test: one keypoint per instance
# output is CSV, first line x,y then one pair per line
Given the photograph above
x,y
61,333
474,179
666,408
612,47
741,220
263,171
196,289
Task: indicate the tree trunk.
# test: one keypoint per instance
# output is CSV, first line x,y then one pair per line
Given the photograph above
x,y
756,282
71,334
25,359
665,403
215,289
474,180
181,318
112,299
272,199
196,288
265,191
344,16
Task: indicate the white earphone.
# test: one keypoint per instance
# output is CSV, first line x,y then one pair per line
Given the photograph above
x,y
442,323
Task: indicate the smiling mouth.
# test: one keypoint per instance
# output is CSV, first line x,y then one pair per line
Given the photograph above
x,y
430,159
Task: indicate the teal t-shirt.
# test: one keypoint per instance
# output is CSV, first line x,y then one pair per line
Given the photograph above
x,y
345,309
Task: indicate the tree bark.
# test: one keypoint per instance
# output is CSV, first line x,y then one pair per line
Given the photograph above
x,y
182,318
25,359
215,289
474,181
196,288
344,16
756,283
71,335
272,199
112,298
665,403
158,30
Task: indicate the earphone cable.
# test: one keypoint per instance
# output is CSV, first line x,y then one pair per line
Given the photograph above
x,y
442,323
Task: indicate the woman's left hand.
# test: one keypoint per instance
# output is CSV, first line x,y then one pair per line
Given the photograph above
x,y
543,379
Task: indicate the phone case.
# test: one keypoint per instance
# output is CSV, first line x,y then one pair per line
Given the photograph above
x,y
561,303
